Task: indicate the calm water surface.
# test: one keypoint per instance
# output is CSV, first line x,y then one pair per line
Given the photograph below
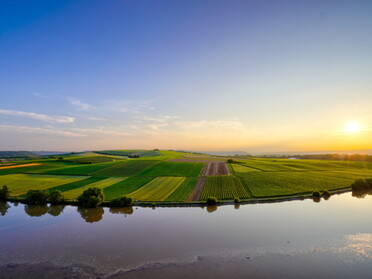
x,y
297,239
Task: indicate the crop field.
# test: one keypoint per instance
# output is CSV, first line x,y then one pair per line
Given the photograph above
x,y
83,169
158,189
91,159
173,169
127,168
41,167
183,191
264,184
215,168
195,194
76,184
223,188
125,187
73,194
242,168
19,184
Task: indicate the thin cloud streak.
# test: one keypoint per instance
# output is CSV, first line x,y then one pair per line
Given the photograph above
x,y
38,116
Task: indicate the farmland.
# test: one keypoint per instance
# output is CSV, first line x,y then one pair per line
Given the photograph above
x,y
177,177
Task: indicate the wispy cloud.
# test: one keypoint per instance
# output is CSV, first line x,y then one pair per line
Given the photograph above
x,y
80,105
38,116
45,131
39,95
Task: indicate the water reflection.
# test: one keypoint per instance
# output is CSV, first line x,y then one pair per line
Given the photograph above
x,y
56,210
91,215
361,194
4,208
317,199
236,205
211,208
36,210
128,210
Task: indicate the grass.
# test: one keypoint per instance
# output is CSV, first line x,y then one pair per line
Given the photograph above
x,y
174,169
73,194
158,189
224,188
183,191
75,184
19,184
241,168
266,184
80,169
91,159
125,187
127,168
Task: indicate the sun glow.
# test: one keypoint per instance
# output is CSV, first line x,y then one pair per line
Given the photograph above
x,y
352,127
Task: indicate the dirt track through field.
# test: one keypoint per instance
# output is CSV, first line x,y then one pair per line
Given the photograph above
x,y
19,166
197,191
215,168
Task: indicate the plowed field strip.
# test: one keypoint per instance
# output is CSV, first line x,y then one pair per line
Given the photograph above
x,y
197,191
215,168
19,166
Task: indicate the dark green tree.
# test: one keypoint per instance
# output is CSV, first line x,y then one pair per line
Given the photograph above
x,y
56,197
91,197
4,193
121,202
37,197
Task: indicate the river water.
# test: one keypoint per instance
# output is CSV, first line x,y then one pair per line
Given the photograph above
x,y
295,239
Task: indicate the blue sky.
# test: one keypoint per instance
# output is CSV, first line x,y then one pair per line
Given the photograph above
x,y
201,75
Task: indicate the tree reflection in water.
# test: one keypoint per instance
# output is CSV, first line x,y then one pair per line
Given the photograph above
x,y
361,194
56,210
128,210
211,208
317,199
236,206
91,215
36,210
3,208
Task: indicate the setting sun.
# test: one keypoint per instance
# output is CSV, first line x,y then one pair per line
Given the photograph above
x,y
352,127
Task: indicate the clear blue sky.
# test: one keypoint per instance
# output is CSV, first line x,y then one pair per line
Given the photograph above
x,y
201,75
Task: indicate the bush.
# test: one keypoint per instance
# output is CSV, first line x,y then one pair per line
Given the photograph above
x,y
121,202
369,182
326,194
37,197
230,161
4,193
56,197
211,201
316,194
91,197
236,200
360,184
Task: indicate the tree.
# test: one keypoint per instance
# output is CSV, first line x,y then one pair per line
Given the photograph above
x,y
211,201
56,197
37,197
121,202
91,197
4,193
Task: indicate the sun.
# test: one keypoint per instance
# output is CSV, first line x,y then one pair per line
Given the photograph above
x,y
352,127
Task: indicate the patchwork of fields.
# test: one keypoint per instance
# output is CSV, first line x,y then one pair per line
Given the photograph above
x,y
169,176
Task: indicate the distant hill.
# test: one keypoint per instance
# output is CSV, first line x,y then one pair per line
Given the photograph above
x,y
17,154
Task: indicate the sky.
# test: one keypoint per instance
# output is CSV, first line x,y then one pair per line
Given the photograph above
x,y
203,75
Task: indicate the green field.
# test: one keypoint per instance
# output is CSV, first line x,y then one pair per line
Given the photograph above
x,y
125,187
127,168
73,194
19,184
154,178
184,190
174,169
158,189
224,188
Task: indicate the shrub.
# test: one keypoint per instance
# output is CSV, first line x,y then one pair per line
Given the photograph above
x,y
37,197
230,161
91,197
236,200
360,184
326,193
211,200
316,194
369,182
4,193
56,197
121,202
